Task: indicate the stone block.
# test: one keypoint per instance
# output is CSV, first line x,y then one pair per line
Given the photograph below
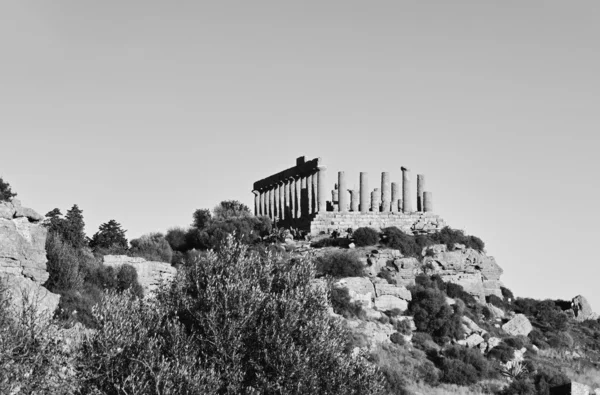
x,y
389,302
518,326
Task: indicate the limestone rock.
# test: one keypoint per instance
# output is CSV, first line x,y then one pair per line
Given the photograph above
x,y
582,309
474,340
471,327
390,302
394,290
150,273
372,331
493,342
23,257
519,325
360,289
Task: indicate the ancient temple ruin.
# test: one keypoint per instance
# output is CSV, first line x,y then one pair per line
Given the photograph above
x,y
301,197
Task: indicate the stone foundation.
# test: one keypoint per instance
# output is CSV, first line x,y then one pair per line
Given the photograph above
x,y
414,223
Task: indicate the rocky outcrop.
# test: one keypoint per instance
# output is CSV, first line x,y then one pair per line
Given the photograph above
x,y
582,310
23,257
476,272
150,273
518,326
375,292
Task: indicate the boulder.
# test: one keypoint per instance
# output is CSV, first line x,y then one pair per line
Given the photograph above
x,y
474,340
150,273
23,258
360,289
471,327
390,302
493,342
518,326
394,290
582,309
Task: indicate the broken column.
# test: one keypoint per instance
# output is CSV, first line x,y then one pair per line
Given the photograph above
x,y
427,202
322,186
354,199
343,192
335,197
375,200
364,192
395,196
385,192
420,189
406,200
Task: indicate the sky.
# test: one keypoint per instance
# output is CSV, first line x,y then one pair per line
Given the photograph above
x,y
144,111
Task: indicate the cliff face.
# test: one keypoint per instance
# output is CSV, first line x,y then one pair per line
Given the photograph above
x,y
23,256
478,273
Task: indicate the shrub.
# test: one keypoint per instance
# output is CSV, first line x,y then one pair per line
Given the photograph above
x,y
365,237
432,315
228,209
342,304
264,327
463,366
397,338
63,265
515,342
110,236
450,237
340,264
152,247
331,242
395,238
496,301
6,194
176,237
507,293
457,291
403,326
424,341
502,352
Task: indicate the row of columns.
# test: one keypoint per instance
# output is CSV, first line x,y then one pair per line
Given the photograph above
x,y
385,199
294,197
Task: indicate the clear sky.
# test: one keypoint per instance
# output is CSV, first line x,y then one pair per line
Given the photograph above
x,y
143,111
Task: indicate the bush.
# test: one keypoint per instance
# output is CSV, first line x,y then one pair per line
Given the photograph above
x,y
331,242
264,327
450,237
395,238
63,265
403,326
340,264
342,304
6,194
229,209
502,352
496,301
463,366
152,247
365,237
507,293
516,342
397,338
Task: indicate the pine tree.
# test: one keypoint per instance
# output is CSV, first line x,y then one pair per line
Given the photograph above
x,y
111,236
74,232
54,222
6,194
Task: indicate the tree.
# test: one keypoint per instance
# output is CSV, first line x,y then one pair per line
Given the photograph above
x,y
54,222
74,228
6,194
110,236
152,247
231,209
202,218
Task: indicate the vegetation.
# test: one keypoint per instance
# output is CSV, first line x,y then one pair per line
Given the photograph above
x,y
340,264
152,247
365,237
110,239
6,193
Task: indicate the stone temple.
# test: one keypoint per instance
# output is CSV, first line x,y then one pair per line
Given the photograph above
x,y
302,197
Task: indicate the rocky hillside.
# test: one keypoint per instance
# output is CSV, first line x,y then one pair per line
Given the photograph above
x,y
23,256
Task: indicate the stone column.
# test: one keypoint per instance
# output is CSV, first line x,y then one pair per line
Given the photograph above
x,y
406,200
375,200
395,196
265,202
276,202
343,192
298,183
309,184
281,200
292,198
271,204
335,198
303,196
256,203
385,192
321,187
315,188
420,189
354,199
364,192
427,202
